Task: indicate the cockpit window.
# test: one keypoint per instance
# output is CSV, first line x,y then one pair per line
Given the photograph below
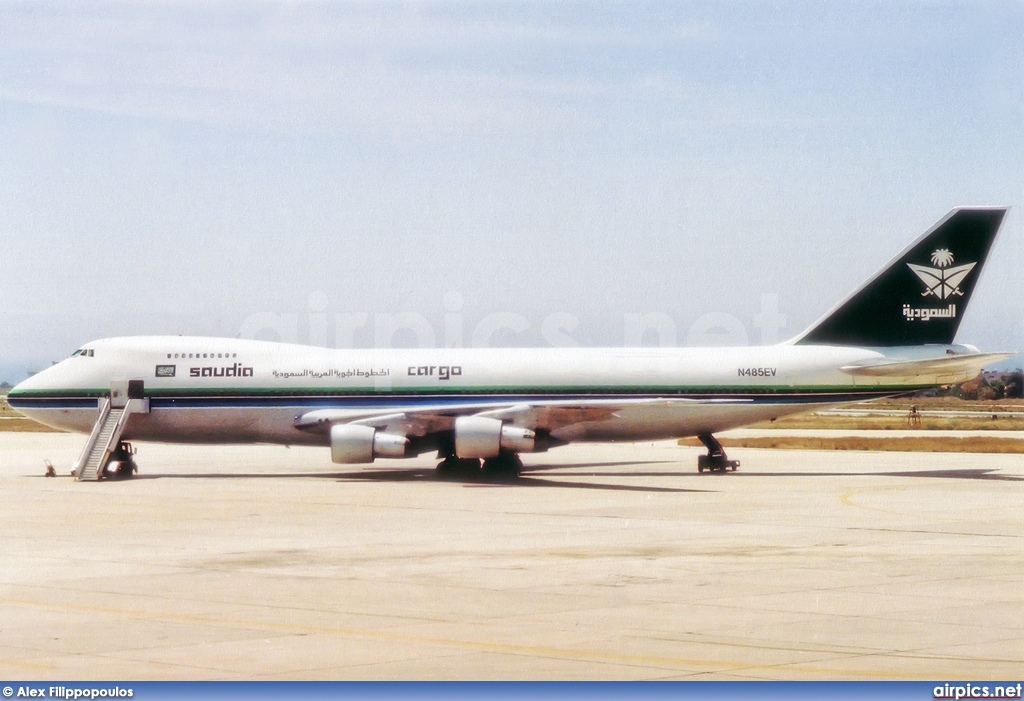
x,y
84,352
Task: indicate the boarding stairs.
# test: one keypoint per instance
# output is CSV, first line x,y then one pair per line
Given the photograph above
x,y
114,413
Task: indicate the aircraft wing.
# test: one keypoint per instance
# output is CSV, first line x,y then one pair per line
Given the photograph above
x,y
547,415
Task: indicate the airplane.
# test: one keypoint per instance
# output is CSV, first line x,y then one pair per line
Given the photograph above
x,y
480,408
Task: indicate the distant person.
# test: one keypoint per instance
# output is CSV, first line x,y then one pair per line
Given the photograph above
x,y
914,417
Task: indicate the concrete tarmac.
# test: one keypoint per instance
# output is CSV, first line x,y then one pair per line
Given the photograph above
x,y
602,562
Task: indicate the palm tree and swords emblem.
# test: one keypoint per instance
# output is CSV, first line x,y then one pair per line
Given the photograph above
x,y
942,281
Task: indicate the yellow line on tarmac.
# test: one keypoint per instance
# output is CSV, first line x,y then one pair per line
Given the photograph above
x,y
29,665
847,498
696,665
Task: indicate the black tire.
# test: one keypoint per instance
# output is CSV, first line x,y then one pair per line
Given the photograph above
x,y
469,466
506,465
453,465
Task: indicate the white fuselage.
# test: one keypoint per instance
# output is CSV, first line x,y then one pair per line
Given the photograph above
x,y
892,335
239,391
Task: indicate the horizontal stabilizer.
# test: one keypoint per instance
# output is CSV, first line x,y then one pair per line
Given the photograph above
x,y
950,365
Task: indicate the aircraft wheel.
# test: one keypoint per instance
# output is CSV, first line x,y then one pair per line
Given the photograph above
x,y
452,465
447,466
504,465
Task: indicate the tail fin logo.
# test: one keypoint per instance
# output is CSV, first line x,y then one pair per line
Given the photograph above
x,y
943,282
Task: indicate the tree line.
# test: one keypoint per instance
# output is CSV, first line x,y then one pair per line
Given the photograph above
x,y
987,386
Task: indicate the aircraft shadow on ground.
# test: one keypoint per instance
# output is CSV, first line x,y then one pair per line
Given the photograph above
x,y
575,471
526,479
974,473
429,474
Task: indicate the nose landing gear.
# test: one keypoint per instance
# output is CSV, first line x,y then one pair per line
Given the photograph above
x,y
716,460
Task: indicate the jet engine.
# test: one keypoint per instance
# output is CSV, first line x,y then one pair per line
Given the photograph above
x,y
356,443
484,437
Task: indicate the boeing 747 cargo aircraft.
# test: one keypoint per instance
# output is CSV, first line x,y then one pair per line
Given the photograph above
x,y
891,336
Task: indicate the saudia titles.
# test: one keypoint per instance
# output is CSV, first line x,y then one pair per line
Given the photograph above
x,y
235,370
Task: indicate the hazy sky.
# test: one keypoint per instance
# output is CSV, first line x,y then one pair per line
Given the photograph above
x,y
544,168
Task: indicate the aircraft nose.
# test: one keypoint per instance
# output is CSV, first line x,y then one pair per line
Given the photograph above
x,y
20,388
16,393
48,380
27,385
43,397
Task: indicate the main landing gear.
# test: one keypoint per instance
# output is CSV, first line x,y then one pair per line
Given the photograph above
x,y
454,465
502,466
716,460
